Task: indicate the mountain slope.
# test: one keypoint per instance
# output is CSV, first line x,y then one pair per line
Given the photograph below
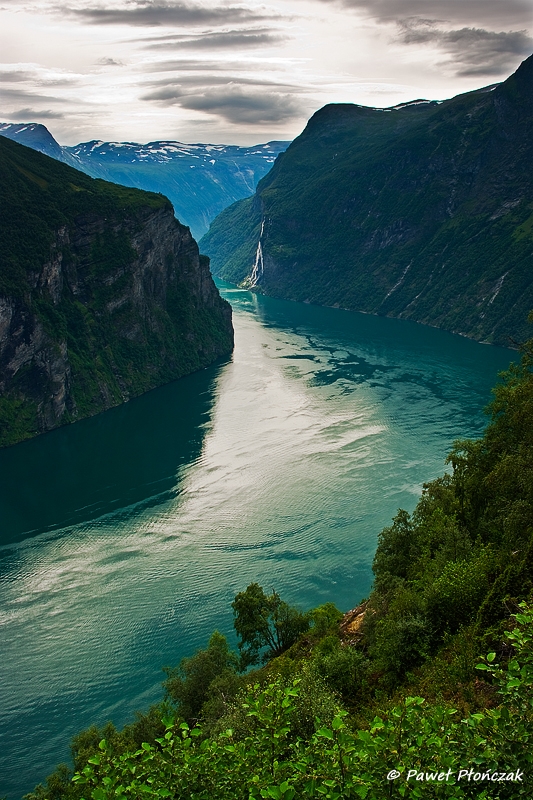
x,y
103,295
199,179
423,211
37,137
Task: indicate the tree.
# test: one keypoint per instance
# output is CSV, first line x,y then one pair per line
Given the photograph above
x,y
265,621
191,684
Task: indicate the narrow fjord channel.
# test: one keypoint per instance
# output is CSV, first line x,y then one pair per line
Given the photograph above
x,y
125,537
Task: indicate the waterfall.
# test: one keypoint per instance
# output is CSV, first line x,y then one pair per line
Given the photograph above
x,y
258,268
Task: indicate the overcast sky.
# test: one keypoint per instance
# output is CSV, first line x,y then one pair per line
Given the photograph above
x,y
242,72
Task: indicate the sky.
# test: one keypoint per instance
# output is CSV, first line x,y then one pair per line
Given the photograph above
x,y
242,72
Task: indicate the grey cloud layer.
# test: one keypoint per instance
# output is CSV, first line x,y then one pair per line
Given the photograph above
x,y
169,88
501,13
27,114
255,37
27,94
148,13
469,32
473,51
24,96
237,106
234,98
15,76
109,62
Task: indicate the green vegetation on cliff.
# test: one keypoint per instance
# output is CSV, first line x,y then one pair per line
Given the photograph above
x,y
39,196
103,295
423,211
400,684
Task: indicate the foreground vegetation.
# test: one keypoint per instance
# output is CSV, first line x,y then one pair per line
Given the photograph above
x,y
330,709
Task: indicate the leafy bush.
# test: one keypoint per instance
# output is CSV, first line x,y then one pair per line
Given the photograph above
x,y
402,642
414,739
203,678
325,619
343,668
265,624
454,598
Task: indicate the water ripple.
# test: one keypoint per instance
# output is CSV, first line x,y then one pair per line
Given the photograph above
x,y
280,466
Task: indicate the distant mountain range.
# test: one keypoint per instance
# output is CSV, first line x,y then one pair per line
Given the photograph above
x,y
423,211
200,180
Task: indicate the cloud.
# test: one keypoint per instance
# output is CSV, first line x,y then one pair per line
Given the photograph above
x,y
15,76
207,78
232,102
23,96
487,13
237,106
480,37
35,76
30,113
109,62
472,51
254,37
187,65
163,12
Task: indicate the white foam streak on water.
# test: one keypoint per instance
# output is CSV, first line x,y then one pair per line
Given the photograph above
x,y
302,462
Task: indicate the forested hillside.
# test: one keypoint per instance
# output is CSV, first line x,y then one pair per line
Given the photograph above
x,y
423,211
431,675
103,295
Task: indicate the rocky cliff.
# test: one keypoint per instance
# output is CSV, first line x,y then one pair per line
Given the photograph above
x,y
423,211
103,296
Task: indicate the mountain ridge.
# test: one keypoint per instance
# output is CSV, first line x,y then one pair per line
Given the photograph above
x,y
422,211
228,172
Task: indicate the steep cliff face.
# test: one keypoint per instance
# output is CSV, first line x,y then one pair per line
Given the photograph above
x,y
101,299
423,211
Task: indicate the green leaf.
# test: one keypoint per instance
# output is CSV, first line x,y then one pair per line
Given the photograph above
x,y
272,791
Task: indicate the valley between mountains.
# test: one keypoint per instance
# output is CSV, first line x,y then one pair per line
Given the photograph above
x,y
257,538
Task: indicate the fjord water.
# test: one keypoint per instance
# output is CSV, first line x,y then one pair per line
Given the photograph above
x,y
125,537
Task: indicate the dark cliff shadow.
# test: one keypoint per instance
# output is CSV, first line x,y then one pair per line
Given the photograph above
x,y
131,455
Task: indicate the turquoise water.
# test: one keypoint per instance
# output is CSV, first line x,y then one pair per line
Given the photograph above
x,y
125,537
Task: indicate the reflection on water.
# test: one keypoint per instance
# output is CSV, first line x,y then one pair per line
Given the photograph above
x,y
113,460
126,536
